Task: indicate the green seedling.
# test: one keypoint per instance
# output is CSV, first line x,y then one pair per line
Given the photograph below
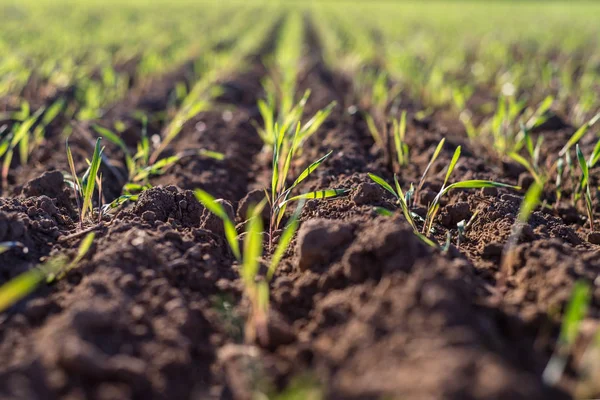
x,y
540,114
284,150
404,205
196,101
49,115
139,171
533,151
256,290
560,169
576,137
84,188
575,312
434,156
435,205
18,139
374,131
469,184
281,194
530,202
399,130
55,268
465,118
585,183
593,159
398,133
280,132
138,166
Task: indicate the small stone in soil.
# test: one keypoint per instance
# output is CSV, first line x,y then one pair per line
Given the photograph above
x,y
594,238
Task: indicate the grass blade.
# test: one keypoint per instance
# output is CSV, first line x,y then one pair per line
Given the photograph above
x,y
253,244
383,211
530,202
288,160
310,169
373,130
578,134
53,111
315,122
452,164
595,156
404,206
583,165
284,241
90,184
435,155
575,312
215,155
19,287
476,184
521,160
319,194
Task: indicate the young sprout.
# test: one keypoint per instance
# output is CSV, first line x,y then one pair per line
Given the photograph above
x,y
195,102
465,118
84,188
448,243
574,314
257,292
19,137
560,168
398,134
574,139
402,201
138,168
399,130
469,184
540,114
529,204
434,156
280,132
55,268
249,259
585,183
532,165
374,131
283,153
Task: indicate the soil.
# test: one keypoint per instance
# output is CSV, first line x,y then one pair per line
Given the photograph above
x,y
359,306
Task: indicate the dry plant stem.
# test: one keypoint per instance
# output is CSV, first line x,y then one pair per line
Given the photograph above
x,y
82,232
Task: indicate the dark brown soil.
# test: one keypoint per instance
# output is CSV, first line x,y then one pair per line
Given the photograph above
x,y
359,305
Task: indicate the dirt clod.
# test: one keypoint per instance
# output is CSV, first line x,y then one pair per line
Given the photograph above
x,y
319,240
50,184
251,199
367,194
454,213
384,246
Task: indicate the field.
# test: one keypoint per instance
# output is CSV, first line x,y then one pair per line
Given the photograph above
x,y
299,200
